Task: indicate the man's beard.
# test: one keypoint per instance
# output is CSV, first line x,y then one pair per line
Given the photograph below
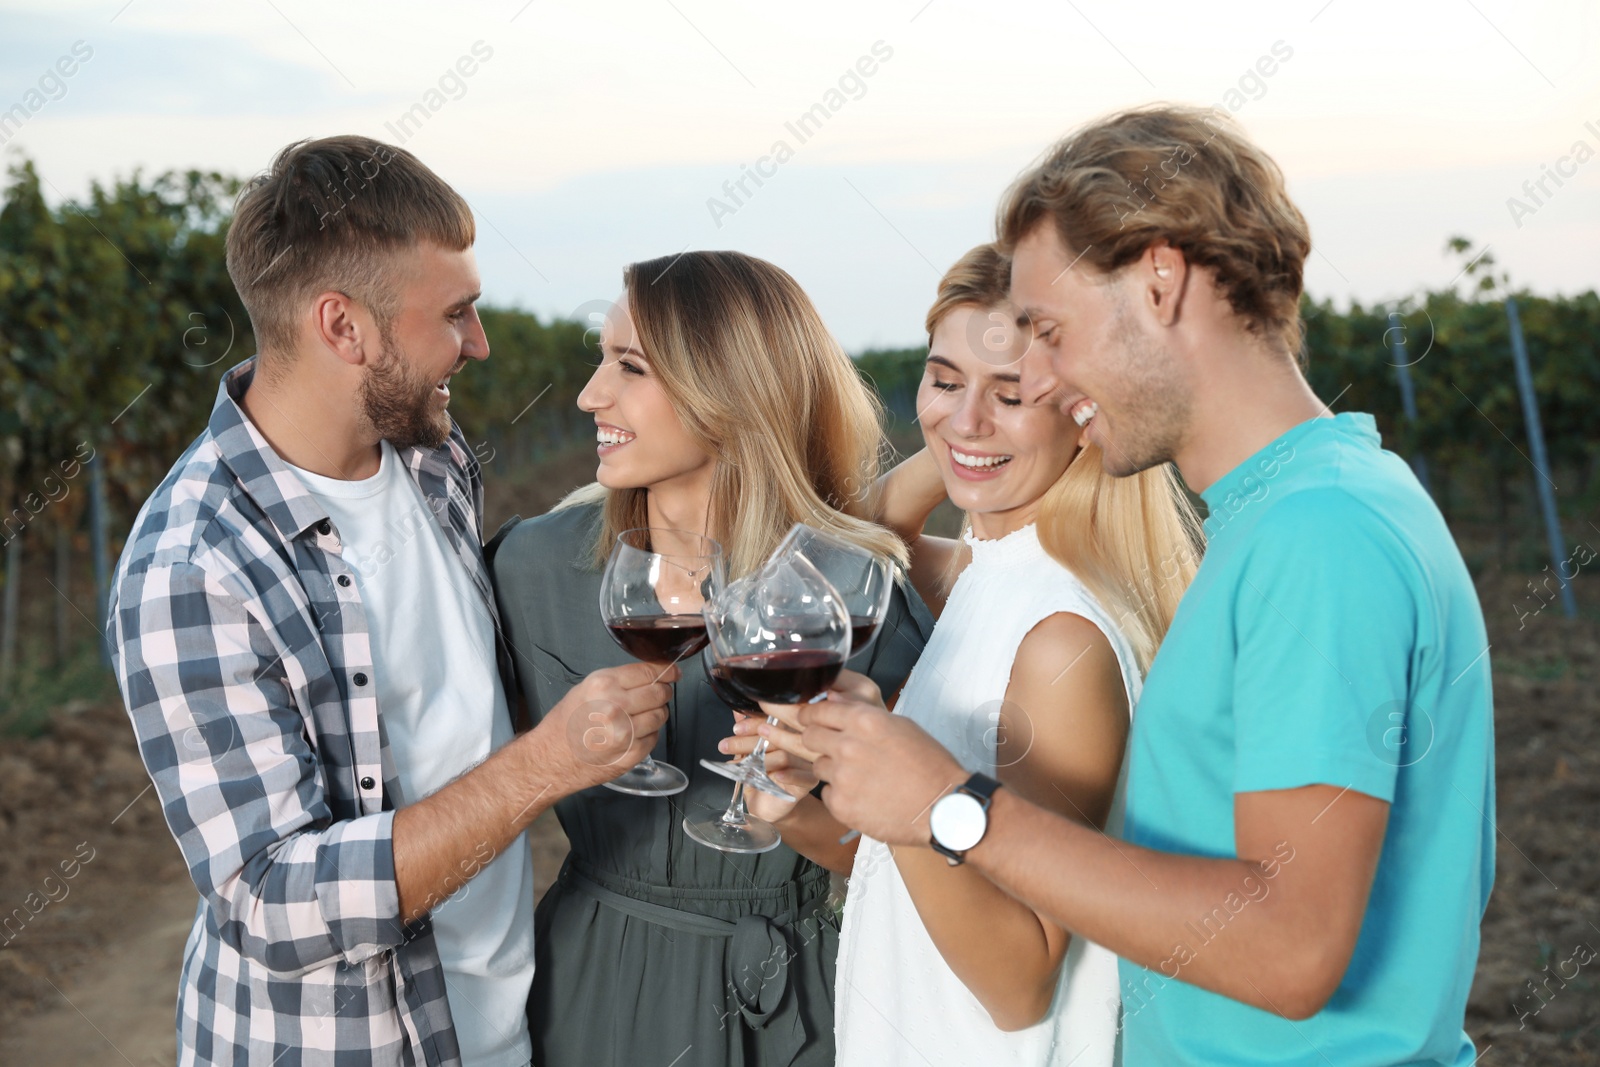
x,y
398,404
1156,414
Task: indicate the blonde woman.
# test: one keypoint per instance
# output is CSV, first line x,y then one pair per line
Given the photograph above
x,y
723,407
1049,608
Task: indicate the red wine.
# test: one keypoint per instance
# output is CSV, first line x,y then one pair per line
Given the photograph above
x,y
791,677
717,678
862,628
659,638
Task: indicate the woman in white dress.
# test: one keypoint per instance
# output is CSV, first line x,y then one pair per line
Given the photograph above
x,y
1049,608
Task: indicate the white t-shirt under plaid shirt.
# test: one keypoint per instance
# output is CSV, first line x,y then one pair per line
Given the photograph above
x,y
241,643
443,710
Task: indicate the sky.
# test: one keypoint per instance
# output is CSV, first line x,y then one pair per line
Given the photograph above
x,y
589,135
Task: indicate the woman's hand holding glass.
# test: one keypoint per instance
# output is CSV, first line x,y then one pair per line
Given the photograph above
x,y
784,764
779,633
862,582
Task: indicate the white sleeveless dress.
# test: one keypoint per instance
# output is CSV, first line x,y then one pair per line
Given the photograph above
x,y
896,1000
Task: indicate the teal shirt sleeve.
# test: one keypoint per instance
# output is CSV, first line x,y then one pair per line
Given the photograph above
x,y
1326,615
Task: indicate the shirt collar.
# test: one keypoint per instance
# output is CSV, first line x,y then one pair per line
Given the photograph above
x,y
265,477
1259,475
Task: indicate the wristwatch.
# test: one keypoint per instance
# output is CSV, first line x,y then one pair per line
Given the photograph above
x,y
959,820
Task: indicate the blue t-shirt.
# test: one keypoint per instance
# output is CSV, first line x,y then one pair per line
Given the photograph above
x,y
1331,636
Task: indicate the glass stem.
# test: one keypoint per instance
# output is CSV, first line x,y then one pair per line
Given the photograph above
x,y
649,762
672,717
758,755
734,816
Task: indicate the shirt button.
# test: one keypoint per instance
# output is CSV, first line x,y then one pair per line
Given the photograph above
x,y
344,579
360,679
368,783
324,527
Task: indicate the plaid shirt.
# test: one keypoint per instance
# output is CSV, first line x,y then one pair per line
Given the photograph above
x,y
242,650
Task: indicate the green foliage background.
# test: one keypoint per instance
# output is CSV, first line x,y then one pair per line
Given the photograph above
x,y
117,319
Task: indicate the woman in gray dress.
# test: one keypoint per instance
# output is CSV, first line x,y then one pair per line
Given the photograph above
x,y
722,406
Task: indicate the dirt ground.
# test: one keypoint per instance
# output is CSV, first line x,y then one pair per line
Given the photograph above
x,y
91,978
1534,999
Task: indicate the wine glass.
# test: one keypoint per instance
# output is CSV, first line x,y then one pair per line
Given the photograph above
x,y
722,689
780,635
736,830
752,769
652,596
864,581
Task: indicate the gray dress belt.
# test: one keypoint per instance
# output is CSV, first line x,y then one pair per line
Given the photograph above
x,y
758,958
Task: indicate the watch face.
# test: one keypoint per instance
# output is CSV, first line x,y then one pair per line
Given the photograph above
x,y
958,821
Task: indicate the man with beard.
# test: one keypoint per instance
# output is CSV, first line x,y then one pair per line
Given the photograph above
x,y
307,642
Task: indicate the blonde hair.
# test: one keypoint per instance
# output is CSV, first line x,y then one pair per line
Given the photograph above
x,y
763,388
1135,542
980,279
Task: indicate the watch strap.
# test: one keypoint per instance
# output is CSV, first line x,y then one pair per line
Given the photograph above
x,y
980,786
